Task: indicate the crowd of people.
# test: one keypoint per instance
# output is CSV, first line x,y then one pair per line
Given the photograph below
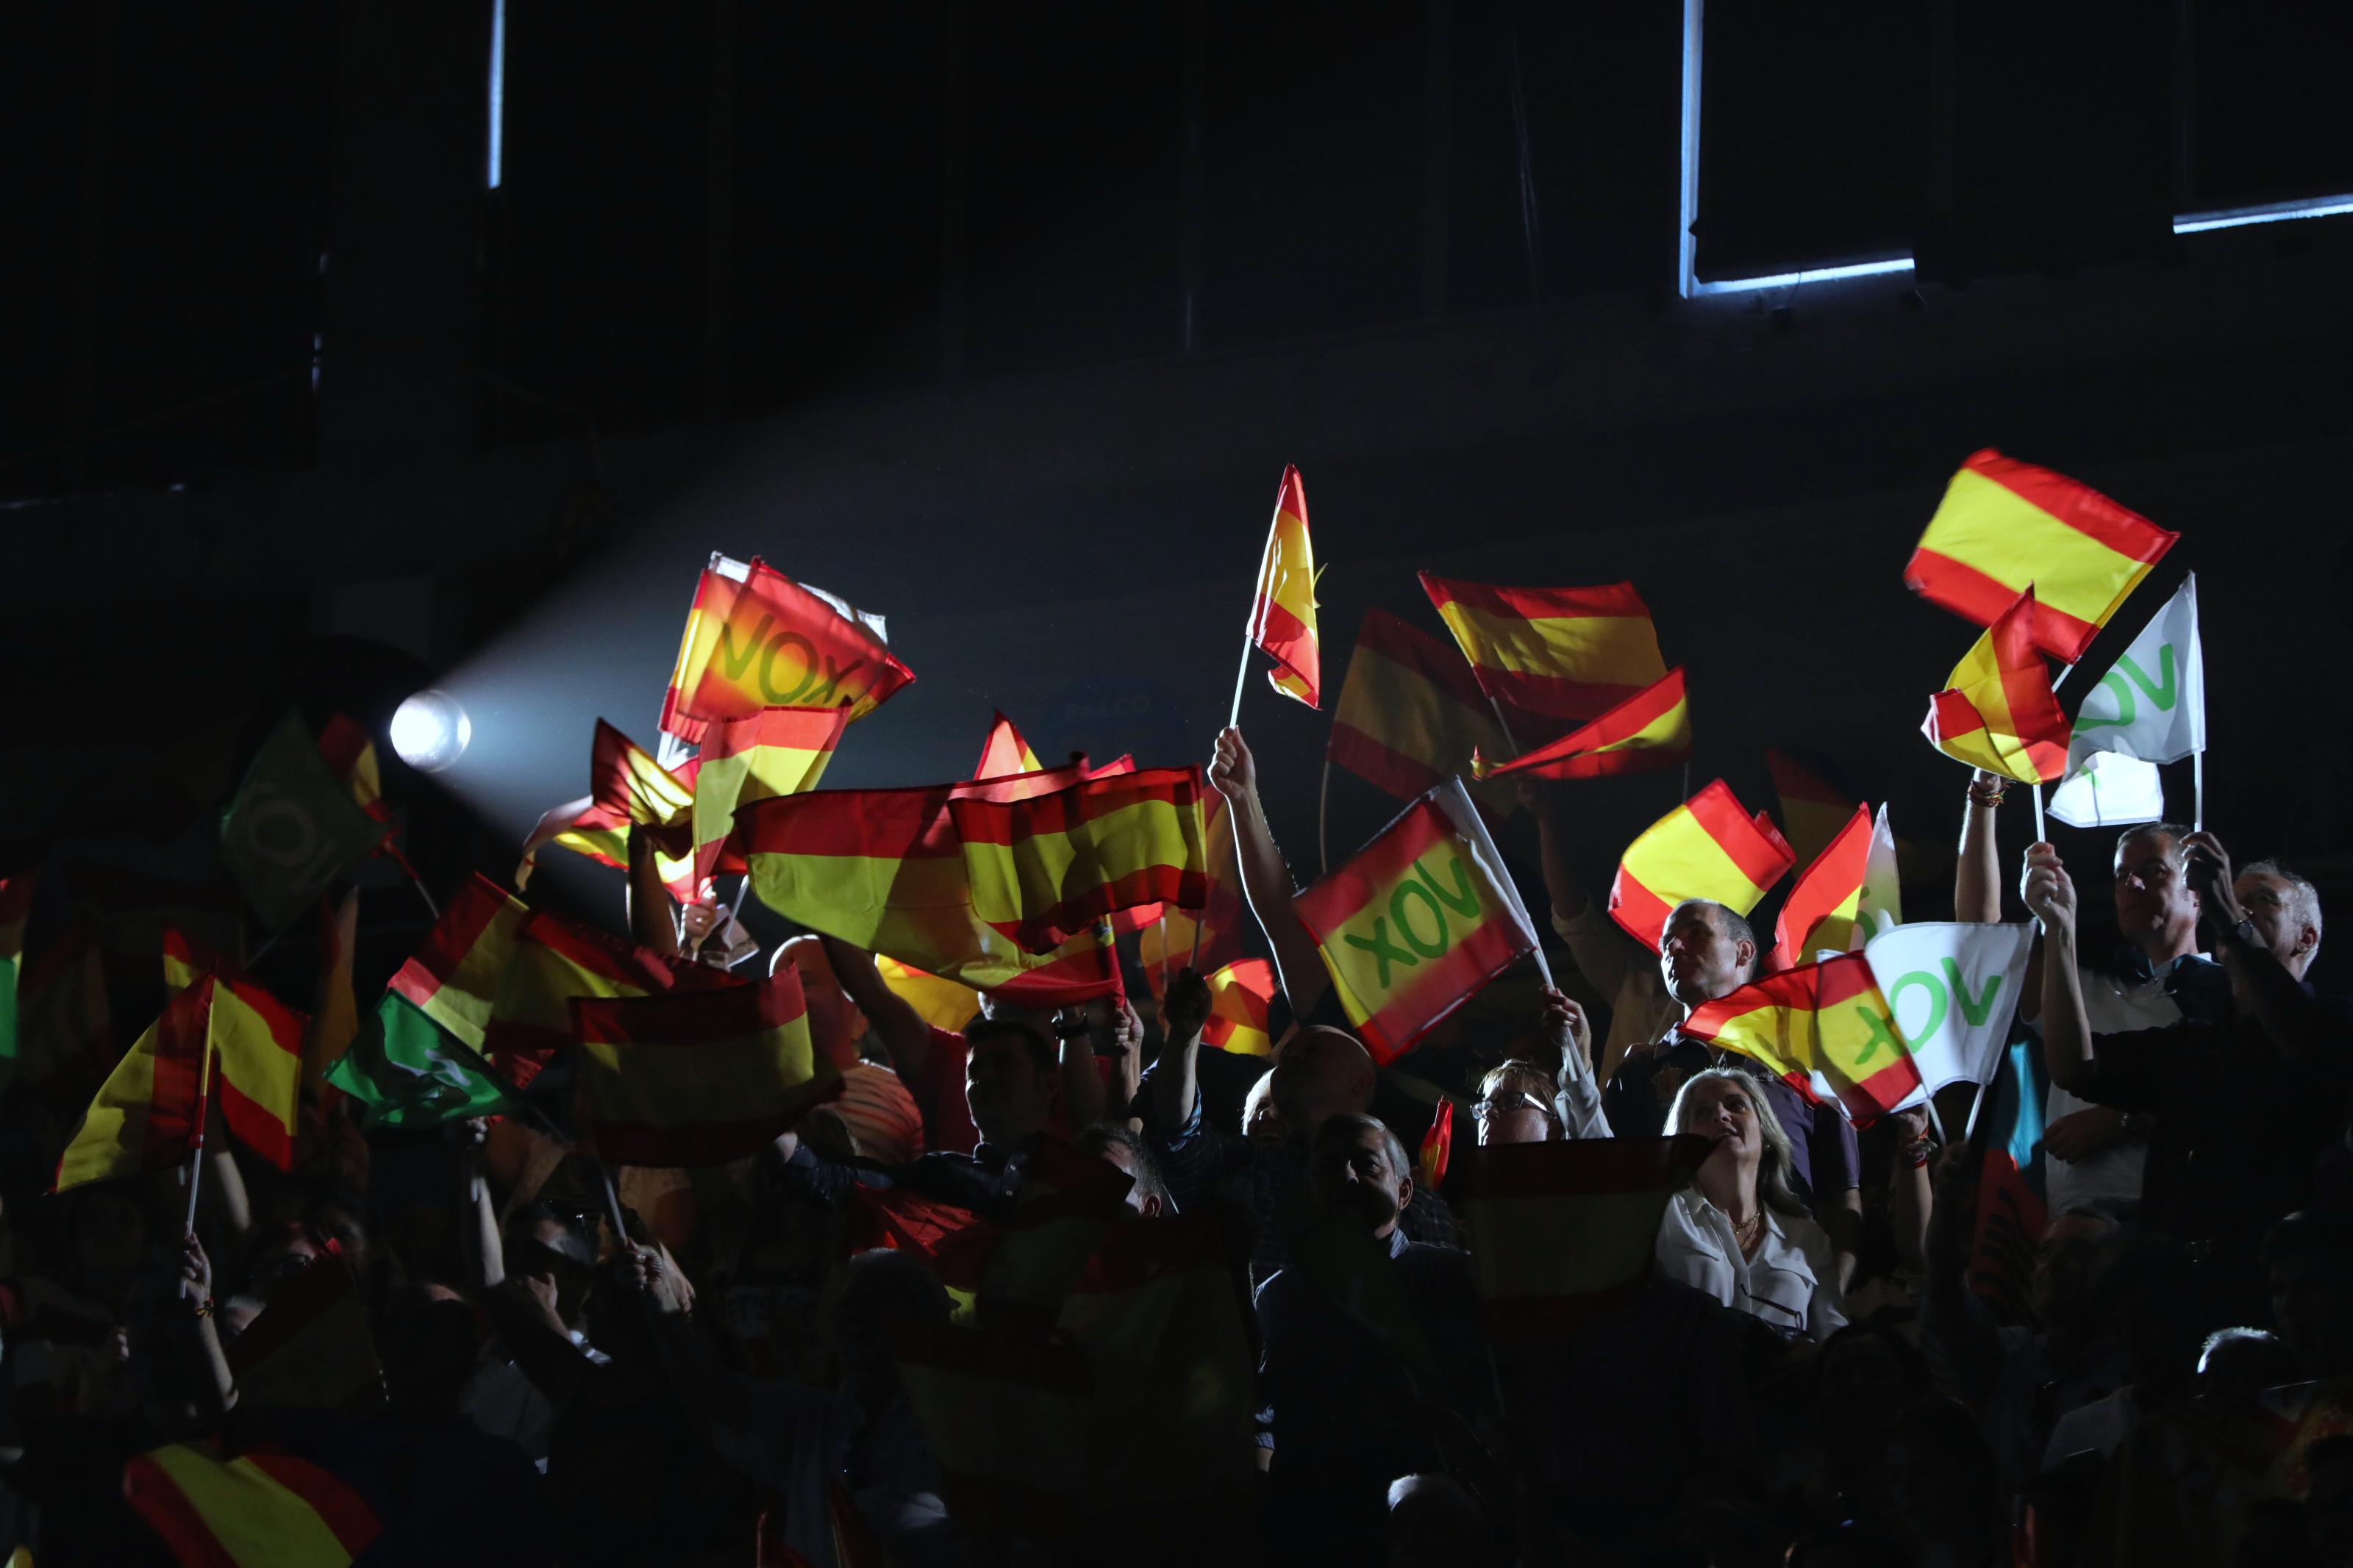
x,y
710,1365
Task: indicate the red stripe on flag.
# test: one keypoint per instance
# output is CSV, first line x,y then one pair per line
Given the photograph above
x,y
453,936
1415,651
1618,599
168,1511
1753,843
342,1511
1383,767
1957,715
2077,505
256,1125
175,1106
1637,909
1971,595
1469,964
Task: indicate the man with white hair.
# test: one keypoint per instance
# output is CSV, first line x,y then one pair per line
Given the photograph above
x,y
2247,1103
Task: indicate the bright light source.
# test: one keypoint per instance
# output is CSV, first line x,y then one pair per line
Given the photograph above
x,y
431,731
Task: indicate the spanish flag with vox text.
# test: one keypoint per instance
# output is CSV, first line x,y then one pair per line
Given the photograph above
x,y
1708,847
1282,614
696,1078
985,882
754,639
1417,922
2004,525
1825,1029
1998,710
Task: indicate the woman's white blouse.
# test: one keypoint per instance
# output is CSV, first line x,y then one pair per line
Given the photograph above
x,y
1791,1283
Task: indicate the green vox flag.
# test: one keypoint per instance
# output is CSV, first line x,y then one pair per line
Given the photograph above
x,y
409,1071
292,827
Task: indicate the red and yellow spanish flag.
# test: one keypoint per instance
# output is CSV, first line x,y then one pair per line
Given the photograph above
x,y
754,639
1282,615
778,751
1650,730
1239,996
453,979
1005,752
697,1078
982,882
1821,911
556,960
1415,923
1813,809
1412,712
1824,1030
1437,1149
1208,938
627,787
1562,1234
150,1111
1708,847
943,1003
2005,524
1998,710
349,752
258,1506
1553,655
259,1042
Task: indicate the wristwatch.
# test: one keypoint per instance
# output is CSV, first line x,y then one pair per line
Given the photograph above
x,y
2243,933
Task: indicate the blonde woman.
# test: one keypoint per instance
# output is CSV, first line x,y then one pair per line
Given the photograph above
x,y
1740,1232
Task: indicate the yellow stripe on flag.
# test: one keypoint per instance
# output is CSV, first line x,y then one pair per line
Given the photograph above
x,y
260,1522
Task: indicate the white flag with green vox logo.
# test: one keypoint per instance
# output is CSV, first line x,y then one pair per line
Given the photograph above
x,y
2152,704
1952,990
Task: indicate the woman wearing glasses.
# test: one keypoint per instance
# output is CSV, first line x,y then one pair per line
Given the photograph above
x,y
1740,1232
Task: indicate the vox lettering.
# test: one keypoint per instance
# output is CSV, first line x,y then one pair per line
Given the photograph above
x,y
2163,692
1943,992
1418,909
757,655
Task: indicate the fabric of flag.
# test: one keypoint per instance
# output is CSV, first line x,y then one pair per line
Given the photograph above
x,y
2004,525
1824,1030
349,752
1437,1149
1824,903
1209,938
1081,969
1067,1203
335,1018
1561,1234
258,1507
696,1078
1011,1422
15,909
1411,713
2105,790
949,1241
1952,990
626,788
1240,995
259,1040
1282,612
1997,712
1708,847
941,1003
1557,656
1813,809
556,960
778,751
1418,921
2012,1213
293,828
406,1070
981,883
65,1024
2151,706
310,1347
1156,1315
1005,752
1881,905
1650,730
453,979
754,639
150,1111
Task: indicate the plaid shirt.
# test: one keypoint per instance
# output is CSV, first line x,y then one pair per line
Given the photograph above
x,y
1201,1164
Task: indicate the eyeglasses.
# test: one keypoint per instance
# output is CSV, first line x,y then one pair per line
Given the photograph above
x,y
1486,1110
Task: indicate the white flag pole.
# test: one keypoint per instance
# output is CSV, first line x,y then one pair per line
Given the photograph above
x,y
1256,623
1455,801
2041,836
2197,791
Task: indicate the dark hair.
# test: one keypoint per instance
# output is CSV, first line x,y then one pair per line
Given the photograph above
x,y
1141,1162
2172,830
1043,1057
